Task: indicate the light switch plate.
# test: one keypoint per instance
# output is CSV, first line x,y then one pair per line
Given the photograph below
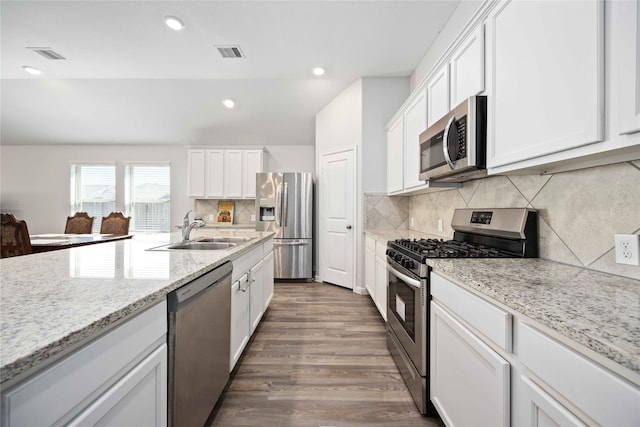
x,y
627,247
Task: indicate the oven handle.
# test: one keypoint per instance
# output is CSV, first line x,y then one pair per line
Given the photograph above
x,y
409,280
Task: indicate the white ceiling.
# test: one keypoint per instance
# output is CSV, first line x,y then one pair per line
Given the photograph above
x,y
128,79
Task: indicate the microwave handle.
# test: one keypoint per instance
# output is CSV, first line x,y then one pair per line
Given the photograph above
x,y
445,142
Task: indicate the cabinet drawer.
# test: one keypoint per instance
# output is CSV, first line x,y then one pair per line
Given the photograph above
x,y
267,247
245,262
603,396
491,321
55,395
381,249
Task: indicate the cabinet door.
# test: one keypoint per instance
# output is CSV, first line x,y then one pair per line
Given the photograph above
x,y
138,399
381,286
542,410
395,156
196,160
370,267
438,95
469,381
268,280
256,294
215,173
467,68
545,90
239,319
251,165
627,28
233,174
415,122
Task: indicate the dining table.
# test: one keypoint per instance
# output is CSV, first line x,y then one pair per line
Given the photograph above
x,y
51,242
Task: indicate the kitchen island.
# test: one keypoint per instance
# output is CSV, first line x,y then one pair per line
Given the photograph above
x,y
53,303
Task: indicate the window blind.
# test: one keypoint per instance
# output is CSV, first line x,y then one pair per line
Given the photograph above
x,y
148,196
93,190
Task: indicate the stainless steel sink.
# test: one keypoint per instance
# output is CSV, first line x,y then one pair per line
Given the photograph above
x,y
230,239
202,245
205,244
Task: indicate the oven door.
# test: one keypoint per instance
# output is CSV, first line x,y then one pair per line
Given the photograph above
x,y
407,313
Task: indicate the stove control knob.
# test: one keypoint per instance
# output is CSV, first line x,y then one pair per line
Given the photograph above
x,y
391,253
397,257
409,264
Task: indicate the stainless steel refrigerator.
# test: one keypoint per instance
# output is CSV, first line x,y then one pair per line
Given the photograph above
x,y
284,205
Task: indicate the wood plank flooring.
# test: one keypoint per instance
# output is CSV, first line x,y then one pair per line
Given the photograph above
x,y
319,358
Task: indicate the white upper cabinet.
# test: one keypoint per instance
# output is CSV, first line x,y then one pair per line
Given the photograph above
x,y
467,68
252,161
233,174
627,30
214,173
224,173
196,159
415,122
395,150
545,68
438,95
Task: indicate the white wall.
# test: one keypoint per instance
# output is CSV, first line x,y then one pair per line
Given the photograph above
x,y
458,20
339,124
381,98
34,179
290,158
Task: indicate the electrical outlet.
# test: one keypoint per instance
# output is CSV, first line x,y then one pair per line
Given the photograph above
x,y
627,248
440,225
211,217
253,217
412,222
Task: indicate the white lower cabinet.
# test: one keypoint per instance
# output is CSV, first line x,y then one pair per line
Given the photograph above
x,y
382,279
469,382
240,315
491,366
118,379
256,294
584,385
268,278
251,294
376,276
540,409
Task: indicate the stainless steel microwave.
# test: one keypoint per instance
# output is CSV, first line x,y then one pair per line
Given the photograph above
x,y
454,149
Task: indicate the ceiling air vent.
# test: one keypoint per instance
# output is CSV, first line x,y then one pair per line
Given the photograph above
x,y
230,51
47,52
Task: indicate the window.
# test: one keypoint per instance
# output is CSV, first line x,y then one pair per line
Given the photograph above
x,y
147,196
93,190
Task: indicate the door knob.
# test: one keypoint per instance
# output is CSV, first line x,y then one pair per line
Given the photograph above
x,y
348,227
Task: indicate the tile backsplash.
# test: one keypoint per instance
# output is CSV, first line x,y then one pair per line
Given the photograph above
x,y
242,210
579,211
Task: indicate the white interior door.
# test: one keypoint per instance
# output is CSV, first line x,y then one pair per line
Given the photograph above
x,y
337,207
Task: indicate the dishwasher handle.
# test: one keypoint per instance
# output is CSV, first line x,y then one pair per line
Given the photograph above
x,y
181,296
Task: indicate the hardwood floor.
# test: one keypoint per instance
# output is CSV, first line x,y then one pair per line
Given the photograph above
x,y
319,358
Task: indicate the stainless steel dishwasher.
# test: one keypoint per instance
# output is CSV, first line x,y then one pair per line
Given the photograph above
x,y
199,345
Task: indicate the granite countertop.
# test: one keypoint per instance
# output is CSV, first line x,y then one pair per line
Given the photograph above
x,y
52,302
600,311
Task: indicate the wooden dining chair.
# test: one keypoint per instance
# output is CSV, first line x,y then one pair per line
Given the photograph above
x,y
115,223
14,237
79,223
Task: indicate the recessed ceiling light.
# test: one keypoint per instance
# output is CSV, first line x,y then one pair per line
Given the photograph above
x,y
318,71
174,23
229,103
31,70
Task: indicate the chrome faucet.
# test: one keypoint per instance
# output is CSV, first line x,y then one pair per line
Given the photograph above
x,y
187,227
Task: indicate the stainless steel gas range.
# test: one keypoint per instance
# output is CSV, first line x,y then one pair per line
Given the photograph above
x,y
478,233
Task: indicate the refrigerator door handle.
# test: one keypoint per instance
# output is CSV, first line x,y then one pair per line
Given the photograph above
x,y
279,206
292,243
285,204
